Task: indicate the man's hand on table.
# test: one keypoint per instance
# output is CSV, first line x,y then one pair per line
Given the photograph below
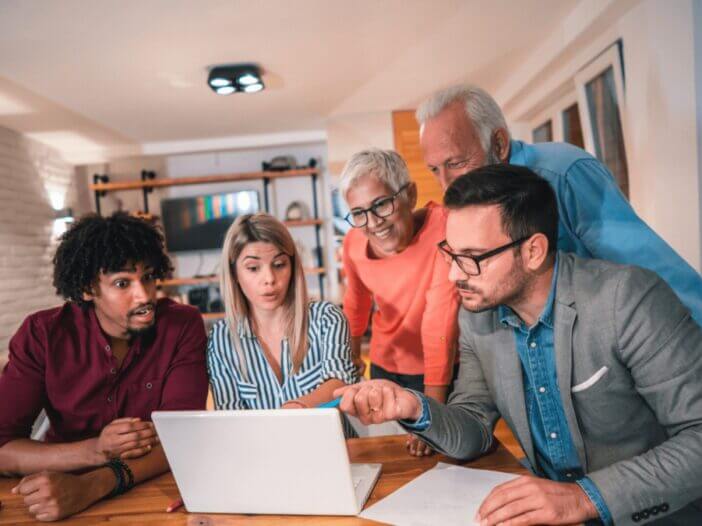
x,y
417,447
124,438
530,500
51,496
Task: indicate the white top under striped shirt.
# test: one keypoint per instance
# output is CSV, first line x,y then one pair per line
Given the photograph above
x,y
328,356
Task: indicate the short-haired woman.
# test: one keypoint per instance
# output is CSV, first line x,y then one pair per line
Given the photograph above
x,y
391,260
274,349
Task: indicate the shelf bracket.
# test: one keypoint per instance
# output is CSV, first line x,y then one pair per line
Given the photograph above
x,y
317,228
147,175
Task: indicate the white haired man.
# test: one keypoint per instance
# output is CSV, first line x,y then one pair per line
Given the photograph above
x,y
462,128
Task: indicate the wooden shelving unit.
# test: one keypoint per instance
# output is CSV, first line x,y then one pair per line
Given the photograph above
x,y
101,186
184,181
303,222
210,316
178,282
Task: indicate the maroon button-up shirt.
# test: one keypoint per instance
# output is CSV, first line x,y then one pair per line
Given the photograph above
x,y
60,360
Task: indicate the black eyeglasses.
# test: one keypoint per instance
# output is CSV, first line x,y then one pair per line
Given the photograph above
x,y
383,207
470,265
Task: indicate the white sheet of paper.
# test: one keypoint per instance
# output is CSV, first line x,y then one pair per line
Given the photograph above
x,y
447,495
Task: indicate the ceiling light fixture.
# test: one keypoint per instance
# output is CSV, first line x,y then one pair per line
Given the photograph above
x,y
219,82
253,88
231,78
225,90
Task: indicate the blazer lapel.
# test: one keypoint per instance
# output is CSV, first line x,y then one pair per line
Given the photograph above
x,y
565,316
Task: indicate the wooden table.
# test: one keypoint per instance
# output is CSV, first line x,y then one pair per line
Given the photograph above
x,y
146,503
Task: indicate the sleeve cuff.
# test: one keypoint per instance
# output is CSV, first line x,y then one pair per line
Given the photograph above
x,y
594,495
424,420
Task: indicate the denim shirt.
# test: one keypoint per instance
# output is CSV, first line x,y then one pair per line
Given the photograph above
x,y
555,452
596,220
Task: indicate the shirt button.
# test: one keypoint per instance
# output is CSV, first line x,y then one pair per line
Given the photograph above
x,y
442,338
113,371
542,389
107,348
109,399
569,475
553,435
532,345
149,385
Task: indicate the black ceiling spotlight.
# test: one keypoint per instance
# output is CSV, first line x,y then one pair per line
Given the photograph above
x,y
230,78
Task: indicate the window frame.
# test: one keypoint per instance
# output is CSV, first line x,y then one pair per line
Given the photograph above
x,y
554,113
610,57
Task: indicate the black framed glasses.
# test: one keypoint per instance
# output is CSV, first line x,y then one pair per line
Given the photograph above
x,y
383,207
470,265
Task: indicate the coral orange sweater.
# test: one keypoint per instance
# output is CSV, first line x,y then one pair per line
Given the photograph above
x,y
414,324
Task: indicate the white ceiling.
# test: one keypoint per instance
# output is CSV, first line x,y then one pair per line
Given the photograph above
x,y
115,77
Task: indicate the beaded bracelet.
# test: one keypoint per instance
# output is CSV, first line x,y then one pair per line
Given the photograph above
x,y
130,476
124,476
119,487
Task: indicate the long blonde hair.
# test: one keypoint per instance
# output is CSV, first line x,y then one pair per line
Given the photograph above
x,y
265,228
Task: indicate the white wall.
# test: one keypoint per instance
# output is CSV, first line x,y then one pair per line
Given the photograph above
x,y
348,134
697,25
661,107
33,181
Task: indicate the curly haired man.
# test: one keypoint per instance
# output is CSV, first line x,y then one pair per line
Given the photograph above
x,y
98,365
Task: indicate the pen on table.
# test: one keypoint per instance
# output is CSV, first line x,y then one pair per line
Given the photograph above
x,y
331,403
174,505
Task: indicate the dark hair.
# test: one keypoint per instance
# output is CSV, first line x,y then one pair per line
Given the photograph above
x,y
96,244
527,202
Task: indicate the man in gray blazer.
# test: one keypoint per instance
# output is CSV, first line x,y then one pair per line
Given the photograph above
x,y
594,366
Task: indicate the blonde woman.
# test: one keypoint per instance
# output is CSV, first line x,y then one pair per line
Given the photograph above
x,y
274,349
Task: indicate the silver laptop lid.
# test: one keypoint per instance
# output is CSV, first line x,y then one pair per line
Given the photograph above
x,y
259,461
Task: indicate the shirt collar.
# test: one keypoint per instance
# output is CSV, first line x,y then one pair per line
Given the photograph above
x,y
507,316
517,155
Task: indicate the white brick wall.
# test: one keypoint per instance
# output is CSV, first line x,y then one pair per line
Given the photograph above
x,y
32,178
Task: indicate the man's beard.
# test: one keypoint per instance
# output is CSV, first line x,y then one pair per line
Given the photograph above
x,y
143,332
508,292
133,331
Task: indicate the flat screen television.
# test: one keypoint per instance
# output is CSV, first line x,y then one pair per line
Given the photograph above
x,y
200,222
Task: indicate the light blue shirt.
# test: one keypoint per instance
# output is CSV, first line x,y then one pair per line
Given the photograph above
x,y
328,356
596,220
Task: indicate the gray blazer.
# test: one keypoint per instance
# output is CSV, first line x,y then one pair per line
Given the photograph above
x,y
629,367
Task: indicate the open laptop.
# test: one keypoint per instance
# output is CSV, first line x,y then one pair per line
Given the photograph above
x,y
264,461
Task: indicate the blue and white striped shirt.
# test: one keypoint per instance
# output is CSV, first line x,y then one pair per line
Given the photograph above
x,y
328,356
